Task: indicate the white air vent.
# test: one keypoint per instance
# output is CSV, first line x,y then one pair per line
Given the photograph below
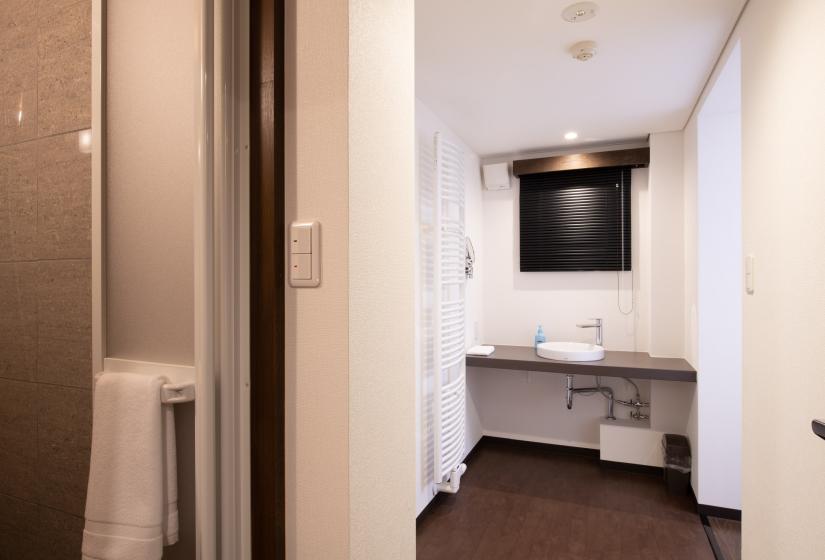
x,y
496,177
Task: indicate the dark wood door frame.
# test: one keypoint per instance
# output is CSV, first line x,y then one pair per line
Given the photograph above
x,y
267,231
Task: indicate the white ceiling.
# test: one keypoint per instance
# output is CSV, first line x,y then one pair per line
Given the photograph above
x,y
499,73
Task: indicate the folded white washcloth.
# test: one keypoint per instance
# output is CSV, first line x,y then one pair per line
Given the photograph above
x,y
131,504
481,350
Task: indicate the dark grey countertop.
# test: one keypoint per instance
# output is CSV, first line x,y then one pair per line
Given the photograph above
x,y
638,365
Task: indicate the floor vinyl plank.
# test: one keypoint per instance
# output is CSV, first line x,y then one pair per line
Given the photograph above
x,y
728,534
530,502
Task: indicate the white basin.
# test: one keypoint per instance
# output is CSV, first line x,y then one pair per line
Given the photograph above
x,y
571,351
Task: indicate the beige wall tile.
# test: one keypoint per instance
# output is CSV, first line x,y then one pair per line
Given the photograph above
x,y
18,48
18,117
19,524
64,69
64,433
18,187
64,362
18,439
18,321
15,13
64,299
64,224
45,306
61,534
64,210
18,226
18,168
18,300
18,68
18,358
61,26
48,7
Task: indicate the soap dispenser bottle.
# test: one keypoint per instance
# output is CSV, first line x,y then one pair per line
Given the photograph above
x,y
539,338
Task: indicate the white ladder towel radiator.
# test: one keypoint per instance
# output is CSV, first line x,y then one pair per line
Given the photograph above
x,y
449,299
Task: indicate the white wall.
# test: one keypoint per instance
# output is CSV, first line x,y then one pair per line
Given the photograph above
x,y
349,164
317,383
713,293
427,124
530,406
151,171
691,329
517,302
783,144
382,229
666,240
719,289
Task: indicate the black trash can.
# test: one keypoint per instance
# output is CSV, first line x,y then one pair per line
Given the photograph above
x,y
676,449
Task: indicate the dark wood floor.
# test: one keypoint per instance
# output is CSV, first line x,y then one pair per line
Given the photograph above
x,y
524,502
728,535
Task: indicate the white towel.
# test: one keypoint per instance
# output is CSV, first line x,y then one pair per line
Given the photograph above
x,y
131,504
170,480
481,350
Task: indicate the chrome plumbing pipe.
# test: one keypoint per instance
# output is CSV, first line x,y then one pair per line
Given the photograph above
x,y
606,392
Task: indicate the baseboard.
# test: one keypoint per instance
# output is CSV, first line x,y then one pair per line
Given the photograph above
x,y
538,446
632,467
720,512
538,439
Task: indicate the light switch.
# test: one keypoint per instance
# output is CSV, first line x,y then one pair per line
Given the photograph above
x,y
304,254
300,238
301,268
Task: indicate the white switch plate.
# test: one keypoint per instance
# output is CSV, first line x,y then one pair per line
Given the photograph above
x,y
304,267
749,264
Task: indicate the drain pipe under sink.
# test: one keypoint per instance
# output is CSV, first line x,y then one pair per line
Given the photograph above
x,y
606,392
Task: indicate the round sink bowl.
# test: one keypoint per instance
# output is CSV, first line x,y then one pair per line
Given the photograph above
x,y
571,351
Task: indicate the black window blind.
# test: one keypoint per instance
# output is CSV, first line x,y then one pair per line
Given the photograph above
x,y
575,220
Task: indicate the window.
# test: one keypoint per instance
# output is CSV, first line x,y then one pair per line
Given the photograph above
x,y
575,220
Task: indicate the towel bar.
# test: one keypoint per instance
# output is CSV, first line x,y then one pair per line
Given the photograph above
x,y
173,393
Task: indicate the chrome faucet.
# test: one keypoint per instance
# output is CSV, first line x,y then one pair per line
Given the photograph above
x,y
596,324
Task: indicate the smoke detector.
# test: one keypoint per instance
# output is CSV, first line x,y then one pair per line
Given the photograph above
x,y
579,12
584,50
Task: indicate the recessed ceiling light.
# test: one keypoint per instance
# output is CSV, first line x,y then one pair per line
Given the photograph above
x,y
571,135
580,11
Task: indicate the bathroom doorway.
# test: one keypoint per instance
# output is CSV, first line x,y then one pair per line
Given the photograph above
x,y
525,95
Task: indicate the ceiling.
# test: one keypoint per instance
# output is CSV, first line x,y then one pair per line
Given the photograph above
x,y
498,72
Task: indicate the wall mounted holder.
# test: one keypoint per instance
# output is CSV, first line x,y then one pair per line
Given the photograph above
x,y
181,379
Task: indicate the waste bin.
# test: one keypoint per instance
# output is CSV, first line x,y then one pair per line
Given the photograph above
x,y
676,449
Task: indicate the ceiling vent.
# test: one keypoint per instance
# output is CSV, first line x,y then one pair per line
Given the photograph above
x,y
584,50
579,12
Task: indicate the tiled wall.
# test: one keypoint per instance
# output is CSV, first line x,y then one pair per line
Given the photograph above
x,y
45,276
